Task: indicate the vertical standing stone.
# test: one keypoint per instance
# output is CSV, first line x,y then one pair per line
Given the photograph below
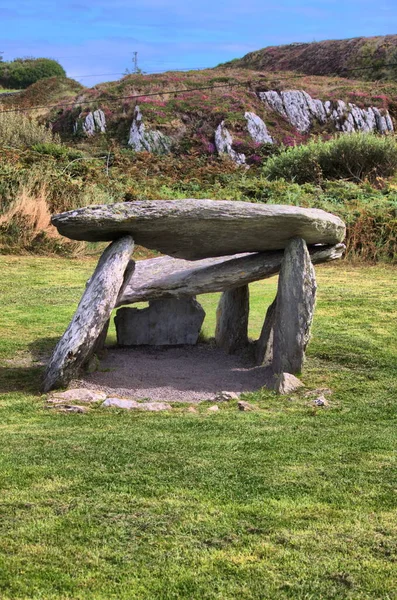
x,y
231,331
296,296
264,345
92,313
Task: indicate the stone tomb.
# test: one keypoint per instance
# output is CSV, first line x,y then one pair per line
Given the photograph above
x,y
211,246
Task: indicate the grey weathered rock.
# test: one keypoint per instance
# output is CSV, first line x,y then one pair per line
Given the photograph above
x,y
286,383
232,314
213,408
321,401
242,405
166,322
196,229
257,129
296,294
264,345
167,277
94,309
133,405
71,408
93,123
77,395
225,397
302,111
223,144
147,140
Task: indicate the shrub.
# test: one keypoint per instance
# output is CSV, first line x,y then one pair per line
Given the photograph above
x,y
18,131
22,72
354,157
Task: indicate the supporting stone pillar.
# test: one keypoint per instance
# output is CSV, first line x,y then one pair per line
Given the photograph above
x,y
264,345
231,331
294,310
94,309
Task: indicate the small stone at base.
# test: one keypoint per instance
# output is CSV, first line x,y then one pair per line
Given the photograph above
x,y
77,395
245,406
285,383
321,401
132,404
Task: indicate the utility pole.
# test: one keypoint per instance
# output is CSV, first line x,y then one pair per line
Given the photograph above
x,y
135,61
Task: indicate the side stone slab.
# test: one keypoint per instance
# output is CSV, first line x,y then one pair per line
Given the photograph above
x,y
232,314
296,295
167,277
166,322
92,314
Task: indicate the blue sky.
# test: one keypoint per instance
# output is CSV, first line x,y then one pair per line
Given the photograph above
x,y
95,40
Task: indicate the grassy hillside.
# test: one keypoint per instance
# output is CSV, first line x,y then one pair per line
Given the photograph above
x,y
190,106
44,92
39,175
372,58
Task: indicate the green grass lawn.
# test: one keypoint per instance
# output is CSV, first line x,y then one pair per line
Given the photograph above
x,y
289,501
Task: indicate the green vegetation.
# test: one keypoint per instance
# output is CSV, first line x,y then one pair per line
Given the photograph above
x,y
52,178
288,502
357,157
23,72
19,131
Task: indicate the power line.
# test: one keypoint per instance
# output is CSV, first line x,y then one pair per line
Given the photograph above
x,y
133,97
143,73
162,93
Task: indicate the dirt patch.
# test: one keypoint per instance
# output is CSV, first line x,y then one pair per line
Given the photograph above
x,y
177,374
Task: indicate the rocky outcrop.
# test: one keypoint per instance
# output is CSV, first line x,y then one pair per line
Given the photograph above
x,y
195,229
94,122
257,129
142,140
223,144
303,111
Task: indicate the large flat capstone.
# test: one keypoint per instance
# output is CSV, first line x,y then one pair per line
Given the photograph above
x,y
196,229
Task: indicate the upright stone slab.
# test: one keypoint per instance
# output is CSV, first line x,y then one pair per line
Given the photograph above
x,y
232,314
166,322
98,301
294,310
264,345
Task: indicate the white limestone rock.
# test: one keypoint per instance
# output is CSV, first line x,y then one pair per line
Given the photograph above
x,y
94,122
257,129
142,140
223,144
302,111
274,101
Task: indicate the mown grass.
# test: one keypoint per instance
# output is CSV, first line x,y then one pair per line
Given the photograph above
x,y
289,501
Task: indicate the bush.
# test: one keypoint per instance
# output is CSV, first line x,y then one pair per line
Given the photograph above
x,y
355,157
18,131
23,72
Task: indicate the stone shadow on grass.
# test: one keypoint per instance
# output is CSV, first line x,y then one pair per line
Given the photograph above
x,y
24,371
